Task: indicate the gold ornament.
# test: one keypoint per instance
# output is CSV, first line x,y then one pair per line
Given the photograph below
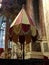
x,y
17,29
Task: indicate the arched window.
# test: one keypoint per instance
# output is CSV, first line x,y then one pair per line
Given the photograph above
x,y
2,32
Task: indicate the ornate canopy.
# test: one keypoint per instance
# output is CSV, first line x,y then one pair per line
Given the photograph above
x,y
23,25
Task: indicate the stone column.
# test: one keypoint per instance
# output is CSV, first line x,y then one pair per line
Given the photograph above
x,y
7,36
29,7
46,17
42,24
42,20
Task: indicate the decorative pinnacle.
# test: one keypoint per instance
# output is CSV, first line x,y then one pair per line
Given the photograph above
x,y
23,6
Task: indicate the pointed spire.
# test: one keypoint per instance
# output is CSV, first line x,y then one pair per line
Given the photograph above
x,y
23,6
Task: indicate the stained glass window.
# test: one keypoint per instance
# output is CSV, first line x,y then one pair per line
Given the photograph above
x,y
2,31
2,34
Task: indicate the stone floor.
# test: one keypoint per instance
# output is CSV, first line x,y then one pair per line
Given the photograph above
x,y
25,62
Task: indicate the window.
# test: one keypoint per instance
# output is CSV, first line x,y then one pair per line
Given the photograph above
x,y
2,34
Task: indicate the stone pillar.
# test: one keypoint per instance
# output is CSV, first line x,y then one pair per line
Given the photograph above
x,y
29,7
46,17
42,24
7,36
42,20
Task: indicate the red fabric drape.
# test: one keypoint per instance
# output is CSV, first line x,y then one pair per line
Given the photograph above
x,y
1,50
25,28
